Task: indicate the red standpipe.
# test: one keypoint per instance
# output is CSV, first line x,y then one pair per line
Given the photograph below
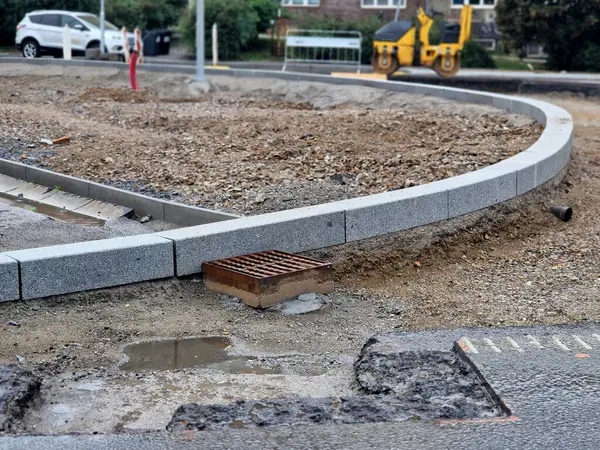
x,y
132,72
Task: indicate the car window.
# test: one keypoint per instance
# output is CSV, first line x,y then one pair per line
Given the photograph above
x,y
95,21
71,22
52,20
36,19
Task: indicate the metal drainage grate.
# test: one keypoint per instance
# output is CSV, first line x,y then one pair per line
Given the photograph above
x,y
265,278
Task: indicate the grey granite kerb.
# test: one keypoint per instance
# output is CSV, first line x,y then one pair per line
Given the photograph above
x,y
69,268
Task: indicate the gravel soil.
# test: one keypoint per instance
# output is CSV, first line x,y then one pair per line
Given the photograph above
x,y
250,147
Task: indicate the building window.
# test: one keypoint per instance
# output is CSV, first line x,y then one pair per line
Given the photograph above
x,y
300,2
382,3
474,3
488,44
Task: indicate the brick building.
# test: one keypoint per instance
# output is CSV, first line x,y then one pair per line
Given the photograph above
x,y
484,25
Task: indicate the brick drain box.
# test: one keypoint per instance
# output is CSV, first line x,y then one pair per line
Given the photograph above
x,y
267,278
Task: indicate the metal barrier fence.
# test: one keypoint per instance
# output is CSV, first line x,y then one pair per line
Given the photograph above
x,y
323,46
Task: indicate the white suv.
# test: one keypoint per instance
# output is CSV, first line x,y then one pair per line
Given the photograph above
x,y
41,32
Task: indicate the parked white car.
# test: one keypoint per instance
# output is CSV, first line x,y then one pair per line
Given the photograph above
x,y
41,32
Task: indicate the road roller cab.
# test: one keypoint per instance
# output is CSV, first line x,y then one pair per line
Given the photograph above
x,y
394,44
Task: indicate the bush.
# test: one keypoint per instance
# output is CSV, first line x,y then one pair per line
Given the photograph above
x,y
237,23
367,27
588,58
266,11
474,55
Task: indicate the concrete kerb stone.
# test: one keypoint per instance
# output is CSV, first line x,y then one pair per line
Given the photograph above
x,y
390,212
339,222
9,279
13,169
480,189
143,205
293,231
191,215
64,269
51,179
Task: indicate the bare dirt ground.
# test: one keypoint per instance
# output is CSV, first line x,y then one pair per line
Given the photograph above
x,y
510,265
253,146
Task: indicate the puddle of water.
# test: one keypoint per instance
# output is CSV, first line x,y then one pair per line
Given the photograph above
x,y
210,352
52,211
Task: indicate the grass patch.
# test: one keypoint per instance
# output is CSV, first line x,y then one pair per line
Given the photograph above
x,y
8,49
260,51
504,63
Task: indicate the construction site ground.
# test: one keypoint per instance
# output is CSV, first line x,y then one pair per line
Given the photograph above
x,y
254,145
513,264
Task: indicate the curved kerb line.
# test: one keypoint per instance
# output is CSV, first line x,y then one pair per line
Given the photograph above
x,y
83,266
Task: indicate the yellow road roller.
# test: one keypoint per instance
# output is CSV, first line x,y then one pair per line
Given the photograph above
x,y
394,44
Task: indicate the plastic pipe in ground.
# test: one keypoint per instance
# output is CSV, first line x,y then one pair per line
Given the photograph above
x,y
132,71
66,43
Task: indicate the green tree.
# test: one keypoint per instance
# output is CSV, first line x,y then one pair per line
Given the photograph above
x,y
266,11
236,21
146,14
569,30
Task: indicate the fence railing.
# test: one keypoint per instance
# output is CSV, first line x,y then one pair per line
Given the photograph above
x,y
323,47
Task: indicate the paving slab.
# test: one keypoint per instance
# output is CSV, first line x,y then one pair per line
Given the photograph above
x,y
9,183
32,191
103,210
60,199
66,201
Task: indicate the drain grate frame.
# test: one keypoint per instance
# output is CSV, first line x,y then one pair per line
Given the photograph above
x,y
265,278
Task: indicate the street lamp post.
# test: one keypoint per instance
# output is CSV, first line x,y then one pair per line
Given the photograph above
x,y
200,40
102,16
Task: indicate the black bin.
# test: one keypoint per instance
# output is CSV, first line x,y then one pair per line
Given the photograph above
x,y
151,41
165,42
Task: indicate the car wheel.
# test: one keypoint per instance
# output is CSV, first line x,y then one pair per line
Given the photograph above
x,y
30,49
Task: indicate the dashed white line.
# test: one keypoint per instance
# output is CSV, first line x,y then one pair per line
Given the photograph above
x,y
533,341
467,345
492,345
514,344
559,343
582,342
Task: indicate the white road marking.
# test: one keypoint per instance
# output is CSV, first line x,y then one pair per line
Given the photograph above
x,y
533,341
468,346
514,344
559,344
582,342
492,345
597,336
